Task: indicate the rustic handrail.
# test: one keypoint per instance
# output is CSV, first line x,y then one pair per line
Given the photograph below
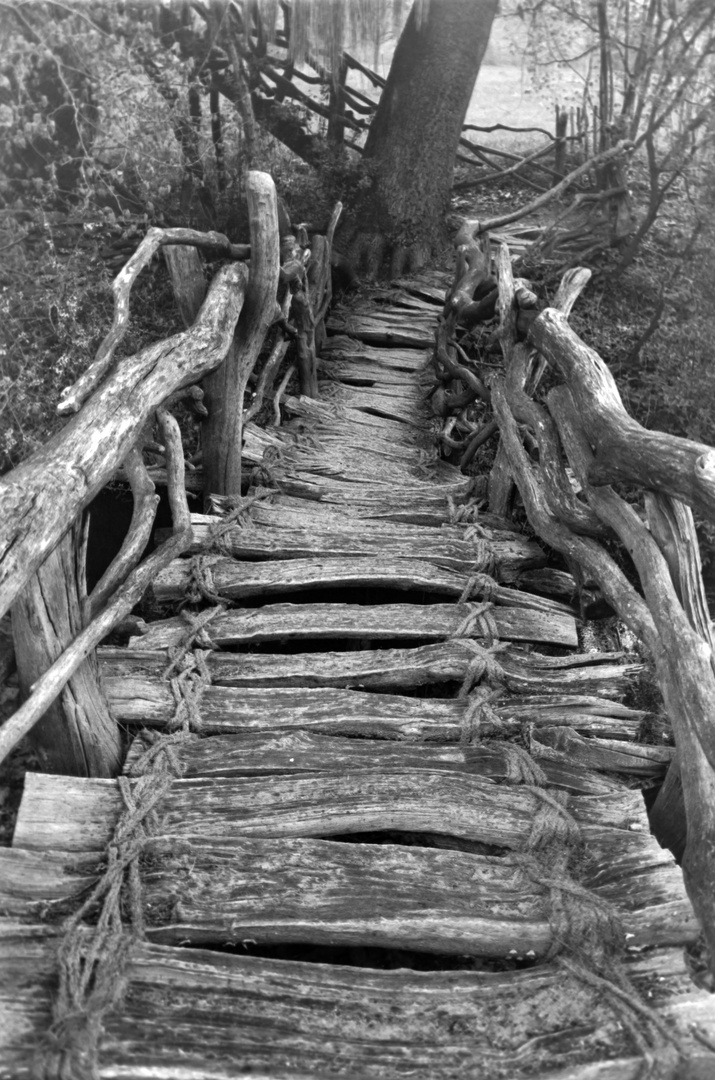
x,y
585,422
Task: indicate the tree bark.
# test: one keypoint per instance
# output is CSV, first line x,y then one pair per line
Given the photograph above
x,y
413,138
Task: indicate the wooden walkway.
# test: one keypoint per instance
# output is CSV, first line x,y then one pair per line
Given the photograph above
x,y
409,797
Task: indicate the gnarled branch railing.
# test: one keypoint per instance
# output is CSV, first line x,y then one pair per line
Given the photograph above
x,y
582,425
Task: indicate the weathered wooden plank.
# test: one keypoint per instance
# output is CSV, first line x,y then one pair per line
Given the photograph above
x,y
358,372
425,314
69,814
330,415
279,509
448,547
143,699
237,580
372,465
378,669
609,755
324,893
338,349
403,394
288,622
389,401
304,1021
431,285
386,328
286,752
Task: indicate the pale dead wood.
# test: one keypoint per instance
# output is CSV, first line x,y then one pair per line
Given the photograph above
x,y
71,814
49,685
186,271
140,699
624,450
284,751
77,463
171,434
445,548
380,669
421,898
222,431
684,666
76,733
315,1014
583,550
273,622
73,396
558,490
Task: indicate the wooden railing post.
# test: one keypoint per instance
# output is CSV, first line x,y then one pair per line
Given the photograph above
x,y
77,735
225,388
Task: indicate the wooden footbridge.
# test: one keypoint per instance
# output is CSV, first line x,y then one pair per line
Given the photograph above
x,y
381,813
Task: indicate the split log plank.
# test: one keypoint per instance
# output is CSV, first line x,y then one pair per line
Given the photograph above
x,y
346,349
288,752
356,464
380,669
388,330
223,709
236,580
362,373
446,548
299,1019
287,622
284,513
78,814
407,407
377,895
431,290
615,756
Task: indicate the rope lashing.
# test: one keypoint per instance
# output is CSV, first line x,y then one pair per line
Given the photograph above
x,y
482,666
263,476
479,714
479,584
462,514
239,516
478,621
187,688
201,585
92,961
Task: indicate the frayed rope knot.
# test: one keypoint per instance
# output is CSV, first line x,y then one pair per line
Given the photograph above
x,y
479,715
201,585
479,584
482,667
465,513
478,621
188,676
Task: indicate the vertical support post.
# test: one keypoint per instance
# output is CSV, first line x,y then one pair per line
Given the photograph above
x,y
77,736
225,387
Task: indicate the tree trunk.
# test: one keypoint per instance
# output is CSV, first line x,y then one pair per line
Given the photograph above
x,y
414,136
